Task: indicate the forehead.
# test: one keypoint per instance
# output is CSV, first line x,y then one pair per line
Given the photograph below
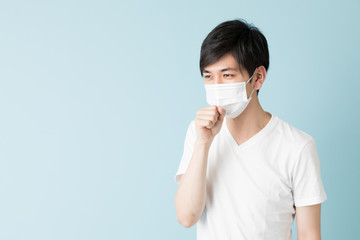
x,y
225,63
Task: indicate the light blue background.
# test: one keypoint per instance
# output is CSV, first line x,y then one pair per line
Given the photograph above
x,y
96,97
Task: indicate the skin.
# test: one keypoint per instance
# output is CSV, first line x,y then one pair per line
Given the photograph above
x,y
190,196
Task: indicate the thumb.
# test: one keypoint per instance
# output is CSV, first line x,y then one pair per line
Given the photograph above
x,y
222,112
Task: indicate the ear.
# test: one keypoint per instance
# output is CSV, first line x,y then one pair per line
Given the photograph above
x,y
259,77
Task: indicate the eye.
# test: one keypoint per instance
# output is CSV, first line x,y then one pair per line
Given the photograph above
x,y
228,75
207,76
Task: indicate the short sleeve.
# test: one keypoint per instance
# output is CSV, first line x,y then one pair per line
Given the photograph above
x,y
188,150
308,187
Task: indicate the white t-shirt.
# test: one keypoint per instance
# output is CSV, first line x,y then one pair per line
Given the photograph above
x,y
252,187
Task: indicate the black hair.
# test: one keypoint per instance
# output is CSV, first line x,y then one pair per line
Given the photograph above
x,y
242,40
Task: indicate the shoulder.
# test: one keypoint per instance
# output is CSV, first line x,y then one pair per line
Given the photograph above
x,y
191,130
291,135
191,126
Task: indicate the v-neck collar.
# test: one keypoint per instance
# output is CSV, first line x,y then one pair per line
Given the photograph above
x,y
252,139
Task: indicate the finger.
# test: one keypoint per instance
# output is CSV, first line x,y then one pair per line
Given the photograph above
x,y
205,123
221,118
211,111
221,110
207,117
210,108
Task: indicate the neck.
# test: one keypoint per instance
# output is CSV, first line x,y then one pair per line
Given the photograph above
x,y
249,122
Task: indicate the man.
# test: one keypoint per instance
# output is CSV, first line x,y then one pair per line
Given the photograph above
x,y
245,173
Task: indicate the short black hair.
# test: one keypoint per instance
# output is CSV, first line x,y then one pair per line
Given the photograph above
x,y
242,40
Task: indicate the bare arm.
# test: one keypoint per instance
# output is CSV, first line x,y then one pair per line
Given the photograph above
x,y
308,222
190,197
191,194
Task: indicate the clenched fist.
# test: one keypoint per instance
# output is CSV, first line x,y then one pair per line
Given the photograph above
x,y
208,122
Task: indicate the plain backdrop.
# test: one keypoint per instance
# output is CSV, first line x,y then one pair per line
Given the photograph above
x,y
96,97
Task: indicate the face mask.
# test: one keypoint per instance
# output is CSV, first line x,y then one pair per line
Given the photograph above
x,y
230,96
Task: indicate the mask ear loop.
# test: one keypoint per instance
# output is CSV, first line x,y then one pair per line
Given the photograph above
x,y
248,81
251,93
251,76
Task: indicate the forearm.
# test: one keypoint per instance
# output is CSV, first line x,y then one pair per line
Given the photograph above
x,y
190,197
309,235
310,238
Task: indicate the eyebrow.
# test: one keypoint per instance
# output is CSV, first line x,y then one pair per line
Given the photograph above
x,y
222,70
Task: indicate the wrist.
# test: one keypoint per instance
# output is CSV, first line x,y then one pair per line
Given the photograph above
x,y
203,143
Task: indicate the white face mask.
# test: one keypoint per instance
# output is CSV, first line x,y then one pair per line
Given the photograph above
x,y
230,96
